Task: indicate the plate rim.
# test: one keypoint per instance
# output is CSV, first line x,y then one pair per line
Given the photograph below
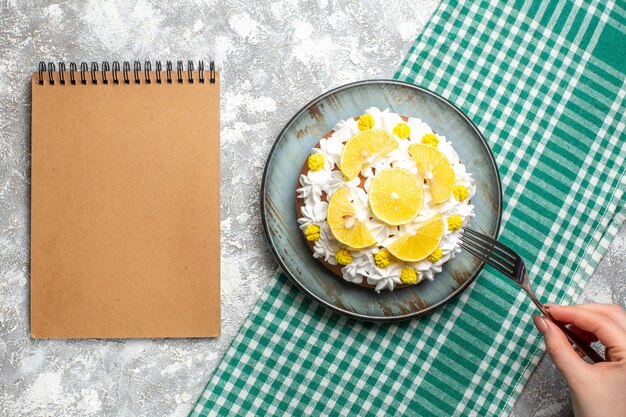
x,y
292,276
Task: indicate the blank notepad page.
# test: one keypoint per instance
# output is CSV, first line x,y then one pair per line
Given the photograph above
x,y
125,205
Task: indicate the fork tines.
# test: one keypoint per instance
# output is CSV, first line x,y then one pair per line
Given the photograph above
x,y
490,251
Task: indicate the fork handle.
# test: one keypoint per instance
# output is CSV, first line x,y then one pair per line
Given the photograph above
x,y
573,338
578,341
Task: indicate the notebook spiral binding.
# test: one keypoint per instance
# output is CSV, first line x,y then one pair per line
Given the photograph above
x,y
111,72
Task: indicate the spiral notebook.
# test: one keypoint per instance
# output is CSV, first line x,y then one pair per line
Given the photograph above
x,y
125,201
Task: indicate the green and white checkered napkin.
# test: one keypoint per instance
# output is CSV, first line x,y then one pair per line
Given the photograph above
x,y
544,81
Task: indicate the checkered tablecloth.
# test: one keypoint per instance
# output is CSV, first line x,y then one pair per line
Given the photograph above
x,y
544,81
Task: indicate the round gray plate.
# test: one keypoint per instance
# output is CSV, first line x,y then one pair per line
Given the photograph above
x,y
278,194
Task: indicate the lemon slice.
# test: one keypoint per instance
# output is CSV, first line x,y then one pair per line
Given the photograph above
x,y
436,170
395,196
363,148
417,246
343,223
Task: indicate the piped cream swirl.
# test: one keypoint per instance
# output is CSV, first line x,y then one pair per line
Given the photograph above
x,y
315,184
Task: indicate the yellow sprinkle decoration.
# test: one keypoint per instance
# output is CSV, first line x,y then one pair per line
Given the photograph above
x,y
366,121
402,130
454,222
408,276
435,256
312,232
316,162
461,192
383,258
343,256
430,139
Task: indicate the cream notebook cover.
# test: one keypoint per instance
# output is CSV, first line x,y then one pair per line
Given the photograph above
x,y
125,206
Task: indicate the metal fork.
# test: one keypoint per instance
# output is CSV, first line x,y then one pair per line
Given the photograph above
x,y
505,260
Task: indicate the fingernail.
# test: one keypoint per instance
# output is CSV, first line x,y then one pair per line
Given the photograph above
x,y
540,324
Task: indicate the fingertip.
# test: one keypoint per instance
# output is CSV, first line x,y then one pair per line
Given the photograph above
x,y
558,312
559,348
553,306
553,335
540,324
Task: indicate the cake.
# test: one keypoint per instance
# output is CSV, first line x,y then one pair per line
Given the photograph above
x,y
381,200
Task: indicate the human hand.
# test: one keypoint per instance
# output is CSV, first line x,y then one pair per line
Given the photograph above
x,y
597,389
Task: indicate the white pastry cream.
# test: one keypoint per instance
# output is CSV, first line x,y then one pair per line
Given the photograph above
x,y
317,187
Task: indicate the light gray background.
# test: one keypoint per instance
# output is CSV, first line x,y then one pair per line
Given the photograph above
x,y
274,58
